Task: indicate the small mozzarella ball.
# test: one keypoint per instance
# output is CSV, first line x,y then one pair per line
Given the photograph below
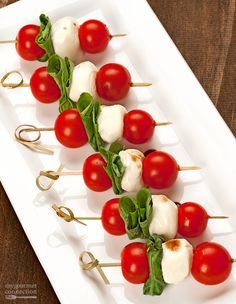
x,y
111,122
164,220
177,260
132,161
83,80
65,39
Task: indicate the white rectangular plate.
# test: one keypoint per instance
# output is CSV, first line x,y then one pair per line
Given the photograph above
x,y
198,136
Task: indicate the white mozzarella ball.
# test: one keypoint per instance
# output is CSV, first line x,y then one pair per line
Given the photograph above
x,y
83,80
164,220
65,39
132,161
177,260
111,122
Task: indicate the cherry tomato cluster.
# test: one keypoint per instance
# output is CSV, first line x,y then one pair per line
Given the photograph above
x,y
93,37
211,265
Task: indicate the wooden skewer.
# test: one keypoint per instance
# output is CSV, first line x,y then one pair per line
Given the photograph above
x,y
164,123
53,176
7,41
69,216
30,129
94,263
32,143
118,35
140,84
67,173
183,168
13,85
217,217
14,41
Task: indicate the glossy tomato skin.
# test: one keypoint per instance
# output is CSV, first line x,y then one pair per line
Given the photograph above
x,y
192,219
212,264
94,174
113,81
93,36
160,170
111,220
138,126
69,129
44,87
134,263
26,46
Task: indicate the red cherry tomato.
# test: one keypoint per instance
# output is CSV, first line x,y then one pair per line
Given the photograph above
x,y
26,46
44,87
134,263
69,129
138,126
94,36
111,220
160,170
94,174
211,264
113,82
192,219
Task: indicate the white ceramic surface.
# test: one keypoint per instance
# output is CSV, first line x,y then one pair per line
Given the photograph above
x,y
198,136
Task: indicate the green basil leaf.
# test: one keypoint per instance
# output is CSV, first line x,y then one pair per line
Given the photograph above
x,y
61,70
129,213
43,39
144,203
155,283
89,111
68,74
116,147
114,169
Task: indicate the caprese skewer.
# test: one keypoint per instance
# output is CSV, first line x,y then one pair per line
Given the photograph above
x,y
58,82
126,170
136,126
151,214
64,37
158,263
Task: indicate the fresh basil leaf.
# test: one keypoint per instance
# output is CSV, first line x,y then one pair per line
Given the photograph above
x,y
129,213
144,203
43,39
61,70
114,169
116,147
68,75
89,111
155,283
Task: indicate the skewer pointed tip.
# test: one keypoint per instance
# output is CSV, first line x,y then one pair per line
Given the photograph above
x,y
164,123
185,168
217,217
140,84
118,35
